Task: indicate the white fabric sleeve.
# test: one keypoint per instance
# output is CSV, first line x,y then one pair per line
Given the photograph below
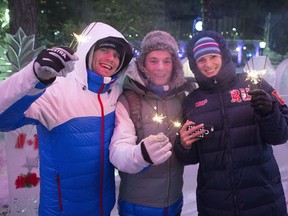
x,y
17,86
125,154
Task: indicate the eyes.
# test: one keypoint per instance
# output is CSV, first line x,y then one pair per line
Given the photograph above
x,y
205,58
155,61
111,51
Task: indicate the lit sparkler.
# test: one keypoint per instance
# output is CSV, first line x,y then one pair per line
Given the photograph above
x,y
78,39
176,124
158,118
255,76
81,38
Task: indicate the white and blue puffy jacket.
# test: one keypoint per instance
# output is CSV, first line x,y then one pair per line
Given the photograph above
x,y
75,121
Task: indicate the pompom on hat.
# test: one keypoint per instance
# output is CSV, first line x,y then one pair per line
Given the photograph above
x,y
206,46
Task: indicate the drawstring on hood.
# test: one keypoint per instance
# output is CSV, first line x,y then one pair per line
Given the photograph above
x,y
160,40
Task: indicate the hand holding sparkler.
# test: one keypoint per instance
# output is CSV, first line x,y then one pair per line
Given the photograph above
x,y
156,149
261,101
56,61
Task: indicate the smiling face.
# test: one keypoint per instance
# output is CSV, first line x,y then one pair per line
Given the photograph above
x,y
105,62
159,66
209,65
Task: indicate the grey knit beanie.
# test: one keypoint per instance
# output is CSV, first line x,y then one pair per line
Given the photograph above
x,y
161,40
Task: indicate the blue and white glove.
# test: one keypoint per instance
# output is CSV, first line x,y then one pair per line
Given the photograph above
x,y
52,62
156,149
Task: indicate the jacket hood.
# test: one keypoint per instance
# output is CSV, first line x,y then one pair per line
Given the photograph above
x,y
227,71
90,37
160,40
135,81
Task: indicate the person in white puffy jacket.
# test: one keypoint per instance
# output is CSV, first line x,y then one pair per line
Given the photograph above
x,y
74,114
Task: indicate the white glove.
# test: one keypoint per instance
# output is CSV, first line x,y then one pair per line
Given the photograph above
x,y
57,61
156,148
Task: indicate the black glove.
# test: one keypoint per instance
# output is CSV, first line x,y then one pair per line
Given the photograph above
x,y
56,61
261,101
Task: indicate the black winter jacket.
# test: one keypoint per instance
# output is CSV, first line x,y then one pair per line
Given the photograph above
x,y
238,174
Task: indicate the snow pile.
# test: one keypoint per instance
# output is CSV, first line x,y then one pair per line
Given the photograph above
x,y
4,195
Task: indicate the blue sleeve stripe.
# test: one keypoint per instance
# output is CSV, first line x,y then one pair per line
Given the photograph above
x,y
40,85
14,117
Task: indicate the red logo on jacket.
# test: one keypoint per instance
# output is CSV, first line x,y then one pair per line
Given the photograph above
x,y
237,96
201,103
281,101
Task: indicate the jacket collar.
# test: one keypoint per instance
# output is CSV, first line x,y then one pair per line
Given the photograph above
x,y
95,81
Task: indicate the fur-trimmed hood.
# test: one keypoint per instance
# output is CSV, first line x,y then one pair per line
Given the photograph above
x,y
160,40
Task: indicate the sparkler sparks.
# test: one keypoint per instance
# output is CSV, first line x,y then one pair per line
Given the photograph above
x,y
79,39
176,124
255,76
158,118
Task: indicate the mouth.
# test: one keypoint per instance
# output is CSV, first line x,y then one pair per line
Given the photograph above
x,y
107,66
161,75
210,70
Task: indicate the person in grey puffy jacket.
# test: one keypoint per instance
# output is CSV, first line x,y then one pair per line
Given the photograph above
x,y
141,149
71,98
238,174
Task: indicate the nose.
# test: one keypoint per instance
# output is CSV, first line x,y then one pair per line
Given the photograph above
x,y
208,62
160,65
109,55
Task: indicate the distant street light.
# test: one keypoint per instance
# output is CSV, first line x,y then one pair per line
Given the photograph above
x,y
262,45
199,25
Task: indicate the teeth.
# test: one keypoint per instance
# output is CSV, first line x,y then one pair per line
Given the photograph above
x,y
106,66
211,70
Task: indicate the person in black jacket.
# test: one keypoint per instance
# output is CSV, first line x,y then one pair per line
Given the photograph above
x,y
238,174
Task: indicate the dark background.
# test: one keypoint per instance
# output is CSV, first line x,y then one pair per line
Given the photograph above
x,y
53,22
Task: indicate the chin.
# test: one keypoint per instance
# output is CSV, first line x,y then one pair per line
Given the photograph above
x,y
209,75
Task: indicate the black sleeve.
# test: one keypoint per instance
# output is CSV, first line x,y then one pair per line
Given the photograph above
x,y
274,127
186,156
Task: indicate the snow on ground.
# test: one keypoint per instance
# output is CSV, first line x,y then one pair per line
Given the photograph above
x,y
4,194
189,208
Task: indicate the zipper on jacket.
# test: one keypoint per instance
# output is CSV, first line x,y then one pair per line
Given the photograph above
x,y
59,192
101,152
166,211
229,151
